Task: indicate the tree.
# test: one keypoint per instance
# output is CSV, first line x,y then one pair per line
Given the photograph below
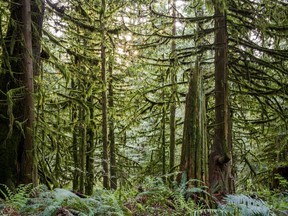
x,y
17,88
219,175
27,158
105,156
111,117
193,164
173,77
257,68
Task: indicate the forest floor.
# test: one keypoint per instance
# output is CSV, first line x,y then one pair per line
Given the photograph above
x,y
153,199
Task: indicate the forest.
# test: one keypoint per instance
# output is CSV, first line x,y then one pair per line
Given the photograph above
x,y
143,107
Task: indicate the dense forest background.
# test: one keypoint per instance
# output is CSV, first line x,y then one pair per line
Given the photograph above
x,y
187,99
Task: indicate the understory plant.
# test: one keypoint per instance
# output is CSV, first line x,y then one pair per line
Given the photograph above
x,y
64,202
245,205
15,200
152,197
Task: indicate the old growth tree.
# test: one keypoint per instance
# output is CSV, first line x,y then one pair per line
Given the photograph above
x,y
20,62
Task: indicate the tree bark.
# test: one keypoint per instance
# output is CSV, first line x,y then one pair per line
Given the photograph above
x,y
113,165
163,134
221,149
17,87
173,79
27,161
75,143
105,162
104,119
82,150
193,153
91,132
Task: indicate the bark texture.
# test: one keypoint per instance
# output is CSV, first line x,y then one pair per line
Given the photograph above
x,y
111,135
194,147
193,153
104,119
17,88
219,165
173,78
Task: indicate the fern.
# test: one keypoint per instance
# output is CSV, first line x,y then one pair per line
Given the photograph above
x,y
246,205
50,210
17,199
64,202
108,203
58,200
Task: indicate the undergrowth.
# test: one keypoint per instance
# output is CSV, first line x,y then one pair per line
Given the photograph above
x,y
152,197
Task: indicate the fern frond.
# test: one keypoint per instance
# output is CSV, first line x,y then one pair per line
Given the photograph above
x,y
246,205
6,194
50,210
18,198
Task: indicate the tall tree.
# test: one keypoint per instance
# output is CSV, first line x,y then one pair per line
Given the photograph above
x,y
220,155
257,56
17,88
194,153
105,143
111,117
173,78
27,159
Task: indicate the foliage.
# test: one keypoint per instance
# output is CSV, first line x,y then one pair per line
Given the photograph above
x,y
245,205
278,200
152,197
64,201
15,199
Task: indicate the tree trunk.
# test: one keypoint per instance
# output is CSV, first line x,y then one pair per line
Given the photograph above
x,y
38,9
163,134
82,150
173,79
75,146
27,161
91,131
105,162
221,149
104,120
17,87
194,153
113,166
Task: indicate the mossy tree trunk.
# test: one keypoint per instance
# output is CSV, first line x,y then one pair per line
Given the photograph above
x,y
193,164
91,134
75,143
193,153
173,79
105,162
163,128
82,149
220,155
17,88
111,135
